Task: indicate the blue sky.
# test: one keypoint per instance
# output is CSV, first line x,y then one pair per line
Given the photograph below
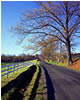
x,y
11,11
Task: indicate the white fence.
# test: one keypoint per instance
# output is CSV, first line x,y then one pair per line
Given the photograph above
x,y
6,69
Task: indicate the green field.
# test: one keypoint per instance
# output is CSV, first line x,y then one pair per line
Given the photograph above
x,y
16,73
4,68
2,64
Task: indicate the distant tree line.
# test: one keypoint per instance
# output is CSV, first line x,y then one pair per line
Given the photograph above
x,y
20,58
75,55
58,57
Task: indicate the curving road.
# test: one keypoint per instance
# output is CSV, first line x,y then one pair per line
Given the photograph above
x,y
62,83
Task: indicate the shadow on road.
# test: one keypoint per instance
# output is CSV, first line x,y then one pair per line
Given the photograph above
x,y
19,84
49,84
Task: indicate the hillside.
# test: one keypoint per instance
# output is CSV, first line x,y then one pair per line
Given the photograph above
x,y
75,65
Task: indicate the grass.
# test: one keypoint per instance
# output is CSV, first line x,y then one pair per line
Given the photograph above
x,y
75,66
4,68
12,76
2,64
29,89
33,61
57,63
31,86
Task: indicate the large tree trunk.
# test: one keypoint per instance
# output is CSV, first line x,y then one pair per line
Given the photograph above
x,y
69,57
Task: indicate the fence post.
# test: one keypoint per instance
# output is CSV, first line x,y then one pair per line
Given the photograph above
x,y
7,70
13,68
25,64
17,67
20,66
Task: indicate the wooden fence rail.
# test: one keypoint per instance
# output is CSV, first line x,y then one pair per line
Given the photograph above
x,y
6,69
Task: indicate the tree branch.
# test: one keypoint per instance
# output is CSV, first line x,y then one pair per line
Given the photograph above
x,y
73,27
53,14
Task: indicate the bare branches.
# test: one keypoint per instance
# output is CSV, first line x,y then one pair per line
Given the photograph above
x,y
74,27
53,14
59,20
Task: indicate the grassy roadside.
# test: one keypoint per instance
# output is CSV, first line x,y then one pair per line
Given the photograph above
x,y
75,66
4,68
2,64
57,63
12,76
33,90
29,88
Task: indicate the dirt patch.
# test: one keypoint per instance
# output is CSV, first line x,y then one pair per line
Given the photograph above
x,y
75,66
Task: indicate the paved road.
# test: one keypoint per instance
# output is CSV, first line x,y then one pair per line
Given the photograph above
x,y
62,83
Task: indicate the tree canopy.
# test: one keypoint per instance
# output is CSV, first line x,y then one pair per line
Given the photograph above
x,y
61,20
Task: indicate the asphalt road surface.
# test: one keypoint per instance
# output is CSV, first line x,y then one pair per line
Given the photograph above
x,y
62,83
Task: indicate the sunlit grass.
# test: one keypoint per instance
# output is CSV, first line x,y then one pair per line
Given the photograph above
x,y
11,66
29,88
12,76
57,63
2,64
75,66
31,85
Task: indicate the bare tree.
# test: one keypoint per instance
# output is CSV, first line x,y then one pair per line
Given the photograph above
x,y
48,48
57,19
